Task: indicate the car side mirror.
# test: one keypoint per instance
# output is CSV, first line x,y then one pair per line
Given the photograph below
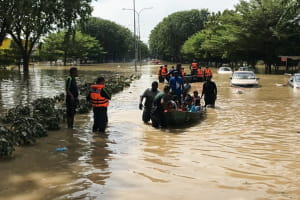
x,y
257,78
230,78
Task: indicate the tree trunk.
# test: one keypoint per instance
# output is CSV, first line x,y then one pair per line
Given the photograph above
x,y
26,59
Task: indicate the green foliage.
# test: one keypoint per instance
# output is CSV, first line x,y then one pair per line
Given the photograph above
x,y
6,142
45,112
14,114
169,35
256,30
32,19
26,130
80,46
116,40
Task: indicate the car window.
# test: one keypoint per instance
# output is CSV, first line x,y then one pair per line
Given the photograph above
x,y
243,76
297,78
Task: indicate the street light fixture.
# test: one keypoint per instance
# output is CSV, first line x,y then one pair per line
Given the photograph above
x,y
139,30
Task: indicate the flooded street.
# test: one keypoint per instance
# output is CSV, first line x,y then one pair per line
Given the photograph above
x,y
247,148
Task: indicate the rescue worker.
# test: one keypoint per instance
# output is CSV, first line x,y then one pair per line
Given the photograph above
x,y
194,67
207,73
71,96
164,71
199,74
209,91
160,77
99,97
182,72
159,104
149,95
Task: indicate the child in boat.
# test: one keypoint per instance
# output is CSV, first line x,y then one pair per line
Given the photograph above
x,y
190,107
196,98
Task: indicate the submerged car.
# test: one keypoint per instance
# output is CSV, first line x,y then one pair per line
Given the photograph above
x,y
248,68
225,70
294,81
244,79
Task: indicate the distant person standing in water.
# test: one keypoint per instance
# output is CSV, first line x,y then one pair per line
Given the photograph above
x,y
149,95
209,92
71,96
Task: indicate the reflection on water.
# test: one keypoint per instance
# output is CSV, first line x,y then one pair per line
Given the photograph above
x,y
246,148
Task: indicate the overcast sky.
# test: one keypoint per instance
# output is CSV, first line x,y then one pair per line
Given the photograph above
x,y
149,18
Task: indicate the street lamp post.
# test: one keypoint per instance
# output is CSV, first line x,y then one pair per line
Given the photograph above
x,y
135,42
138,13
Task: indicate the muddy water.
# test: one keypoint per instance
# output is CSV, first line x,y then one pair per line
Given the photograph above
x,y
246,148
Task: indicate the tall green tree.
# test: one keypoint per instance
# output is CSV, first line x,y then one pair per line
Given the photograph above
x,y
256,30
7,8
80,46
117,40
270,26
169,35
35,18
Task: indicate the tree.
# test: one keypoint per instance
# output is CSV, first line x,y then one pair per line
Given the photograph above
x,y
7,8
35,18
256,30
270,27
117,40
169,35
79,46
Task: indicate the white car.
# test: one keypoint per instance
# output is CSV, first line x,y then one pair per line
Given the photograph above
x,y
225,70
294,81
244,79
248,68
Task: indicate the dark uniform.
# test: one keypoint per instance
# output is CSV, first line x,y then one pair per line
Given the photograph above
x,y
157,112
71,99
149,94
210,93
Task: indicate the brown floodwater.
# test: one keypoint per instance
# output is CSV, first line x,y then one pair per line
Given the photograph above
x,y
247,148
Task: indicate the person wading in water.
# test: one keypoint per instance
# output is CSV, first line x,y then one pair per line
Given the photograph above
x,y
210,92
99,97
71,96
149,95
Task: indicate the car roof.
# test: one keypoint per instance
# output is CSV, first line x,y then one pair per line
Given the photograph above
x,y
243,72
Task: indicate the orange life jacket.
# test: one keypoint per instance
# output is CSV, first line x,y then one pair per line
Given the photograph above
x,y
199,73
207,72
182,72
95,96
194,66
159,72
164,71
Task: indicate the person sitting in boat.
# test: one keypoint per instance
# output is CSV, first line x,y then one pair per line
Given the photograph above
x,y
170,105
196,98
194,67
189,104
186,88
157,112
148,95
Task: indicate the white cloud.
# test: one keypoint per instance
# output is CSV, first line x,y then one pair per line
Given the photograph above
x,y
113,10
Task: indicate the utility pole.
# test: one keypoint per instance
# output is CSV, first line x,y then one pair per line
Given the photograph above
x,y
135,42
